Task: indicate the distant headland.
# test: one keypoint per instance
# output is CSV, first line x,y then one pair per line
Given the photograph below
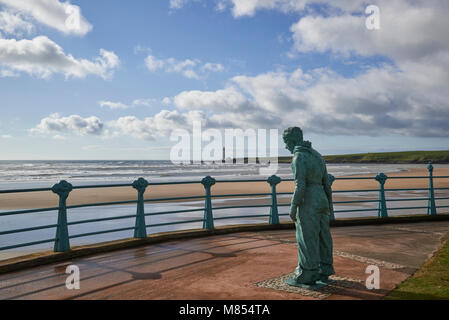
x,y
386,157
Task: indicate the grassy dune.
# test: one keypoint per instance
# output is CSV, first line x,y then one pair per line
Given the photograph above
x,y
387,157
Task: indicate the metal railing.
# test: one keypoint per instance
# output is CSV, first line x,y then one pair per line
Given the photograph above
x,y
63,189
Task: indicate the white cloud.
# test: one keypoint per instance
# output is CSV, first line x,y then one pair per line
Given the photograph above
x,y
242,8
138,49
178,4
214,67
226,99
230,107
159,125
191,69
408,30
113,105
190,74
150,128
144,102
118,105
110,134
381,100
4,73
275,91
59,137
62,16
408,95
74,124
249,7
5,136
42,57
153,64
167,101
254,119
14,24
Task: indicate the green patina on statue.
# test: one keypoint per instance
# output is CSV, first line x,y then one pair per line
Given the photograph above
x,y
310,209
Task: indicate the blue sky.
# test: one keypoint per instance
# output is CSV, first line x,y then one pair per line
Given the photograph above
x,y
136,70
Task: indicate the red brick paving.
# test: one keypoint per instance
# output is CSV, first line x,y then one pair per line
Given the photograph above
x,y
228,266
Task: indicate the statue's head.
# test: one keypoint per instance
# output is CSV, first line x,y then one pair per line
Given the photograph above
x,y
292,138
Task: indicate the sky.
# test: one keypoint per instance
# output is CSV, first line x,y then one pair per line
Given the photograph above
x,y
112,79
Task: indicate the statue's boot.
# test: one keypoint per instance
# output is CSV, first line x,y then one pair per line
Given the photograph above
x,y
307,279
326,270
303,277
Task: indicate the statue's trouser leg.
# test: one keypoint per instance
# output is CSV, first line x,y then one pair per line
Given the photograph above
x,y
326,258
307,237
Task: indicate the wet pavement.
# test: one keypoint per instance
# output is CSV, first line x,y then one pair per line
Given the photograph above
x,y
245,265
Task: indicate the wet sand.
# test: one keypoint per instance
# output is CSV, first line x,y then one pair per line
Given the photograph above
x,y
31,200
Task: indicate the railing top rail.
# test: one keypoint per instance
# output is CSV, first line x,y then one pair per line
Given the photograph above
x,y
16,212
173,182
115,185
419,177
24,190
242,180
74,187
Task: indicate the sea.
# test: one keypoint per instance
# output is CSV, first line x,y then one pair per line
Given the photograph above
x,y
44,174
38,174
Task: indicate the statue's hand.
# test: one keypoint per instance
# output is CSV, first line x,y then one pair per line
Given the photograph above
x,y
293,211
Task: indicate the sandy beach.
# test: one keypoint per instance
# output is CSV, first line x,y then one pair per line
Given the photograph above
x,y
31,200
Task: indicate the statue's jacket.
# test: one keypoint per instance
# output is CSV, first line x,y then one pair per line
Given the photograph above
x,y
312,193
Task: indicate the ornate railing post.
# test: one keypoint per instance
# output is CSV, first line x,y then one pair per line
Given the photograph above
x,y
431,207
382,212
208,222
62,243
140,231
274,215
331,180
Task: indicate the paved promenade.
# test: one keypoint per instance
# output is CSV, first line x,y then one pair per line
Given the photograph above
x,y
247,265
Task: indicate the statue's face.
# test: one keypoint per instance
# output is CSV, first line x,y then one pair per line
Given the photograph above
x,y
291,142
292,138
290,145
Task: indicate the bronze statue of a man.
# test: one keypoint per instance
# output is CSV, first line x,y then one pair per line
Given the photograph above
x,y
310,209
